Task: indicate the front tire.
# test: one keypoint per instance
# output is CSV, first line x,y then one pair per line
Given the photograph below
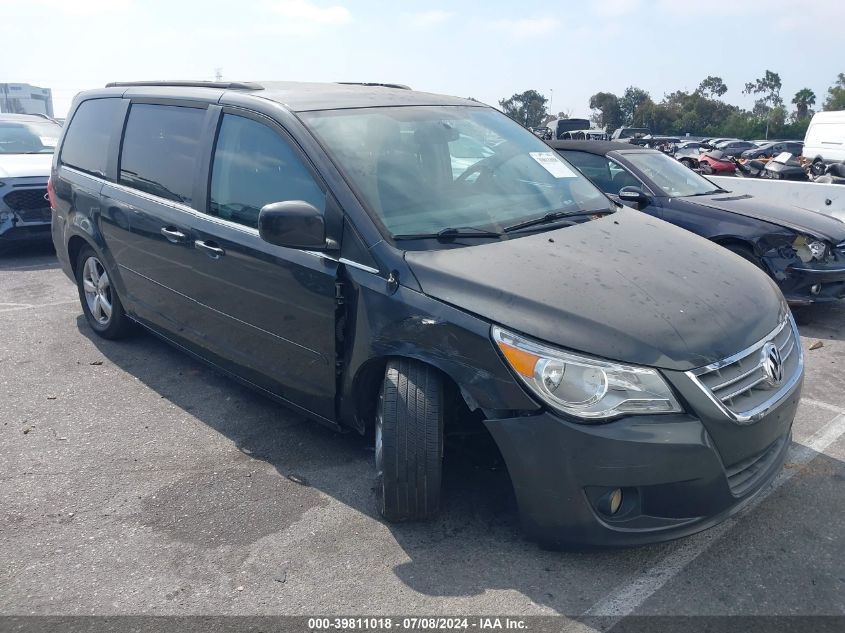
x,y
748,255
98,296
409,441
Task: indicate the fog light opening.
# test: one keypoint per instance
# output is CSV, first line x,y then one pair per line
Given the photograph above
x,y
815,289
610,503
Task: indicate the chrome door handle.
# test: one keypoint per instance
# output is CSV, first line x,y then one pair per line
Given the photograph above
x,y
210,248
173,235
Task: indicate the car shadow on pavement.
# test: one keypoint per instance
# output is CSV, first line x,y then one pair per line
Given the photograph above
x,y
30,257
822,321
474,546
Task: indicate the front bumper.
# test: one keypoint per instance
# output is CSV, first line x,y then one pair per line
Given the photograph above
x,y
24,213
672,473
814,283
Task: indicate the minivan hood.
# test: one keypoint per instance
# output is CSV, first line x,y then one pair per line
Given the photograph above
x,y
803,220
25,165
625,287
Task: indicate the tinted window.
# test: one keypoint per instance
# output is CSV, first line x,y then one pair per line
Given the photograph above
x,y
594,167
253,166
86,144
159,154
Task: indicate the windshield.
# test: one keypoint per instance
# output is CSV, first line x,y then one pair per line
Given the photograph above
x,y
672,177
28,137
424,169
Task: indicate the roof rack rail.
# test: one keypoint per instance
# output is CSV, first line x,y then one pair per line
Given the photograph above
x,y
374,83
226,85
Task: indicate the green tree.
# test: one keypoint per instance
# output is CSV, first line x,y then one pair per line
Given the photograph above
x,y
768,86
712,87
606,110
630,101
527,108
803,100
836,94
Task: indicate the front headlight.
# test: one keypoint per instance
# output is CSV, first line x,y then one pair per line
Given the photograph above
x,y
809,249
584,387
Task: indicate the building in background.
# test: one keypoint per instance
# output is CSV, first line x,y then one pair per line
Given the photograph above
x,y
26,99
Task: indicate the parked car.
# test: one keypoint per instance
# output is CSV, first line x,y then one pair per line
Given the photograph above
x,y
558,127
735,148
715,162
824,142
803,251
772,149
26,152
688,153
712,143
626,133
313,241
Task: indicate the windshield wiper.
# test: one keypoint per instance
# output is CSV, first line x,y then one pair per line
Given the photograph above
x,y
710,193
449,233
552,217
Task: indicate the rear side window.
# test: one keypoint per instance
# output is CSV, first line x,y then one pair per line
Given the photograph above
x,y
86,144
596,168
253,166
159,154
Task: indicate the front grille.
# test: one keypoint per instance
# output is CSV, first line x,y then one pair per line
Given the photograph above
x,y
740,384
30,204
743,475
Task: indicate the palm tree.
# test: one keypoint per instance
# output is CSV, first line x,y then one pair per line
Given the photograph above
x,y
803,99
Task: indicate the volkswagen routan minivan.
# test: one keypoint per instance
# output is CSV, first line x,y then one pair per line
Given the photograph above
x,y
341,249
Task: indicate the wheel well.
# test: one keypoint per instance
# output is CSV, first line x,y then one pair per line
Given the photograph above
x,y
367,384
727,242
74,246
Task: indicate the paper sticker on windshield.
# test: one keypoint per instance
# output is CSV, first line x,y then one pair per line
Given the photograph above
x,y
48,141
552,164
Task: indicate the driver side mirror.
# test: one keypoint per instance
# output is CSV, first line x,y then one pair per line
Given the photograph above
x,y
293,224
634,194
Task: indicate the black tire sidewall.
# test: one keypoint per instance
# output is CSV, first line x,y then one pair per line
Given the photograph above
x,y
409,484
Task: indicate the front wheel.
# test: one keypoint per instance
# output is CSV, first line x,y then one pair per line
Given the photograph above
x,y
100,303
409,441
748,255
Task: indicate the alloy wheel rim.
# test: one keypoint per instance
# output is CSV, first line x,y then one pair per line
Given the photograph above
x,y
98,291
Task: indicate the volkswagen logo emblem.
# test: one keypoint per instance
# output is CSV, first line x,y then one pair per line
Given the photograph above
x,y
772,365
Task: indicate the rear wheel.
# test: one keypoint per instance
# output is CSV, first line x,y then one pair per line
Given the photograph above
x,y
409,441
98,296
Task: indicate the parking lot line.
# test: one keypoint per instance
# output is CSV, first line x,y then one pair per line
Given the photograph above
x,y
626,599
29,306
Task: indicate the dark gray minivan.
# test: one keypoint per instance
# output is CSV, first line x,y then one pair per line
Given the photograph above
x,y
399,262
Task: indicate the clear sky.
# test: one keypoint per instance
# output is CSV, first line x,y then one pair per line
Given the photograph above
x,y
487,50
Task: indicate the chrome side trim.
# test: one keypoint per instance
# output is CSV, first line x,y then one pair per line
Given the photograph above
x,y
760,411
364,267
343,260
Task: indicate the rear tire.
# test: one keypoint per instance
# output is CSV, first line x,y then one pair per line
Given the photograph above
x,y
409,441
98,296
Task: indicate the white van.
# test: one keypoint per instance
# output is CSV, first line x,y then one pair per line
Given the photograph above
x,y
825,139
